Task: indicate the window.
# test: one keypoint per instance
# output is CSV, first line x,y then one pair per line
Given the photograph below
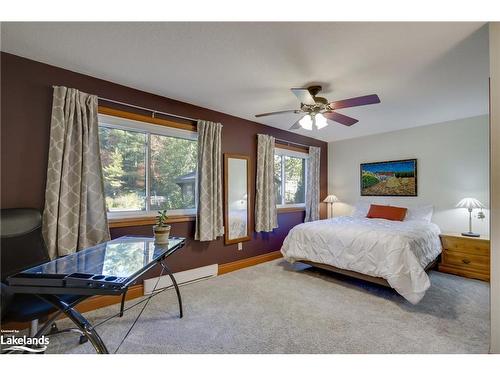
x,y
147,167
290,177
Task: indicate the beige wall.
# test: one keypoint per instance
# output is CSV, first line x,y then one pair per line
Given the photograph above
x,y
452,160
495,184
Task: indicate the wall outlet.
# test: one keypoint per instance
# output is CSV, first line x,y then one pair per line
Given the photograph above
x,y
240,245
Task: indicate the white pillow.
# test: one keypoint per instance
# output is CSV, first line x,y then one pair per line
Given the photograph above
x,y
422,213
361,209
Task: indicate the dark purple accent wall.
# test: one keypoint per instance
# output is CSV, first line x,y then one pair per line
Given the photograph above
x,y
26,101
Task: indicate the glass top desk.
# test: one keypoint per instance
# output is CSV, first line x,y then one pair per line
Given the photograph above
x,y
109,268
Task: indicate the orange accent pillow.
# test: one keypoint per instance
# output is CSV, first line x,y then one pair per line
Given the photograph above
x,y
386,212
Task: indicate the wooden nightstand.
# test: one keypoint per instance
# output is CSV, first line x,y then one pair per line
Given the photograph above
x,y
465,256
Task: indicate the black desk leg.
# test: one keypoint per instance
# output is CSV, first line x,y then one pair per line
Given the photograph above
x,y
50,323
122,304
174,282
78,319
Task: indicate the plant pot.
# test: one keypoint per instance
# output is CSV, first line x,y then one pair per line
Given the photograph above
x,y
161,234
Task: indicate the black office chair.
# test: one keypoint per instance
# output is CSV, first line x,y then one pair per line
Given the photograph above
x,y
22,246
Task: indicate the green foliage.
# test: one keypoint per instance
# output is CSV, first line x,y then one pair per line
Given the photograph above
x,y
300,194
123,155
161,219
171,158
368,179
123,159
114,172
295,180
277,178
127,200
294,189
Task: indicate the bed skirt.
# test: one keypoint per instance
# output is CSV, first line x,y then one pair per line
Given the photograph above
x,y
357,275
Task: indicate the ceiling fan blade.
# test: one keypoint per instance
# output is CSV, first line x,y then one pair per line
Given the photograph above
x,y
355,102
304,96
295,126
341,119
277,112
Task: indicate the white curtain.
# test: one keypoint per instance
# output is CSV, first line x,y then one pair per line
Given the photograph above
x,y
74,216
209,218
312,181
266,216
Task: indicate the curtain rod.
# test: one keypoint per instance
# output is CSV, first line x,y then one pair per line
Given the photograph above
x,y
153,111
290,143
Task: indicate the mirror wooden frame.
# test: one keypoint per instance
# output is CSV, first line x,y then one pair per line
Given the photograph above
x,y
227,157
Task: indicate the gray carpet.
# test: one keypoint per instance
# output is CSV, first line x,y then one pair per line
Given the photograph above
x,y
280,308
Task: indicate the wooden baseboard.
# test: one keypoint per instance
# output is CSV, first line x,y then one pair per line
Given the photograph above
x,y
252,261
97,302
136,291
18,326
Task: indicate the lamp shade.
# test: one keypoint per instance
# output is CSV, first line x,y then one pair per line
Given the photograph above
x,y
306,122
320,121
470,203
331,199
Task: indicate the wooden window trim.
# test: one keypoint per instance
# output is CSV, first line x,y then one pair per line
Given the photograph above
x,y
143,118
283,210
151,220
148,220
302,149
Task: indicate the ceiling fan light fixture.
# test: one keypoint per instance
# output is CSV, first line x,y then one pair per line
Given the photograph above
x,y
318,110
320,121
306,122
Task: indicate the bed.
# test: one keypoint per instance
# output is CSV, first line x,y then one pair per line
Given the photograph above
x,y
393,253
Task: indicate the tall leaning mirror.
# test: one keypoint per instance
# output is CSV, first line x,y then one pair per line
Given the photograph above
x,y
237,198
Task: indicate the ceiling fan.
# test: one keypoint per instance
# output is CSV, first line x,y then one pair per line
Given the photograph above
x,y
318,110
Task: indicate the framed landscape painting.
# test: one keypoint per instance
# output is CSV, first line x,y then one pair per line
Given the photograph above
x,y
397,178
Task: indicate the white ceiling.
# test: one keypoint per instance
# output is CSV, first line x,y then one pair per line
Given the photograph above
x,y
424,73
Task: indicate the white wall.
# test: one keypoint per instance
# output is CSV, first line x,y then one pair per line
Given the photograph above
x,y
495,184
452,161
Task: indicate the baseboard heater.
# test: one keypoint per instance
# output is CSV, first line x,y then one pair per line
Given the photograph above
x,y
183,278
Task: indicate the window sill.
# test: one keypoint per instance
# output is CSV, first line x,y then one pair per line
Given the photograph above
x,y
146,220
290,209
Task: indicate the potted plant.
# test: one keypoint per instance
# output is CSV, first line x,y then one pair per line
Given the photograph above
x,y
161,229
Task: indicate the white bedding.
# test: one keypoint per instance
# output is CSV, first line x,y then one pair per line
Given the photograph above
x,y
398,251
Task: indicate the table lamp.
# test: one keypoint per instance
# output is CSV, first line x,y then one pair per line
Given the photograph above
x,y
330,200
470,204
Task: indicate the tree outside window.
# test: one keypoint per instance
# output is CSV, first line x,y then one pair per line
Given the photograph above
x,y
147,172
289,179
